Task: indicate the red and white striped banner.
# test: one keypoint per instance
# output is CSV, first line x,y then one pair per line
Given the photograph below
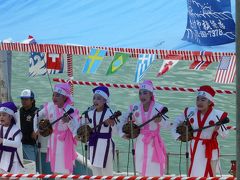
x,y
134,52
64,176
135,86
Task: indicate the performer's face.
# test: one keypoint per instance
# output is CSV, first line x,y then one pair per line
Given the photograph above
x,y
145,96
98,102
58,99
5,119
202,103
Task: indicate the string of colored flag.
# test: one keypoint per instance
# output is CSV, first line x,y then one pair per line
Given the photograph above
x,y
135,86
53,62
110,51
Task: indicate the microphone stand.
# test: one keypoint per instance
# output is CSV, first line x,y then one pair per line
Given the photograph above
x,y
85,145
187,152
39,160
131,139
85,113
187,144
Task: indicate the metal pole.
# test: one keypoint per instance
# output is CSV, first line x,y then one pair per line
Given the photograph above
x,y
86,146
133,150
237,86
39,158
39,146
5,75
118,162
187,153
168,156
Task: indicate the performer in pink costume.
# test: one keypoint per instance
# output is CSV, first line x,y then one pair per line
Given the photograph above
x,y
61,144
150,149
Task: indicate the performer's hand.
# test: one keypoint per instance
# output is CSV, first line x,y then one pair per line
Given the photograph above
x,y
78,138
38,132
109,122
34,135
216,128
158,119
179,138
126,136
66,119
1,140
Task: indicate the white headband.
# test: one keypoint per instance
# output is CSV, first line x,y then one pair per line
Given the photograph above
x,y
102,93
205,94
60,91
146,86
7,110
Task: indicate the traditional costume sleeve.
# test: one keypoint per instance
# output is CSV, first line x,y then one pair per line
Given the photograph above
x,y
16,143
123,120
222,130
165,123
115,130
177,121
164,120
40,115
89,119
73,124
17,115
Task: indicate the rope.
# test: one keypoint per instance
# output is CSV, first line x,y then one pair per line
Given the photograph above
x,y
135,86
112,177
134,52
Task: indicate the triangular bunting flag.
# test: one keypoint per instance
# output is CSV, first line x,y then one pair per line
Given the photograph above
x,y
118,61
144,62
166,66
29,40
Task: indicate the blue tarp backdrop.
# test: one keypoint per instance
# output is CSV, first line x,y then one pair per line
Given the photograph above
x,y
157,24
210,22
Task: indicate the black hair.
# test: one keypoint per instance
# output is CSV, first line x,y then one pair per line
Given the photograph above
x,y
13,121
34,102
106,106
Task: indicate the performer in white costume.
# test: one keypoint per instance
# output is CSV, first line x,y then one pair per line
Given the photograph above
x,y
204,149
61,144
10,139
100,143
150,149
